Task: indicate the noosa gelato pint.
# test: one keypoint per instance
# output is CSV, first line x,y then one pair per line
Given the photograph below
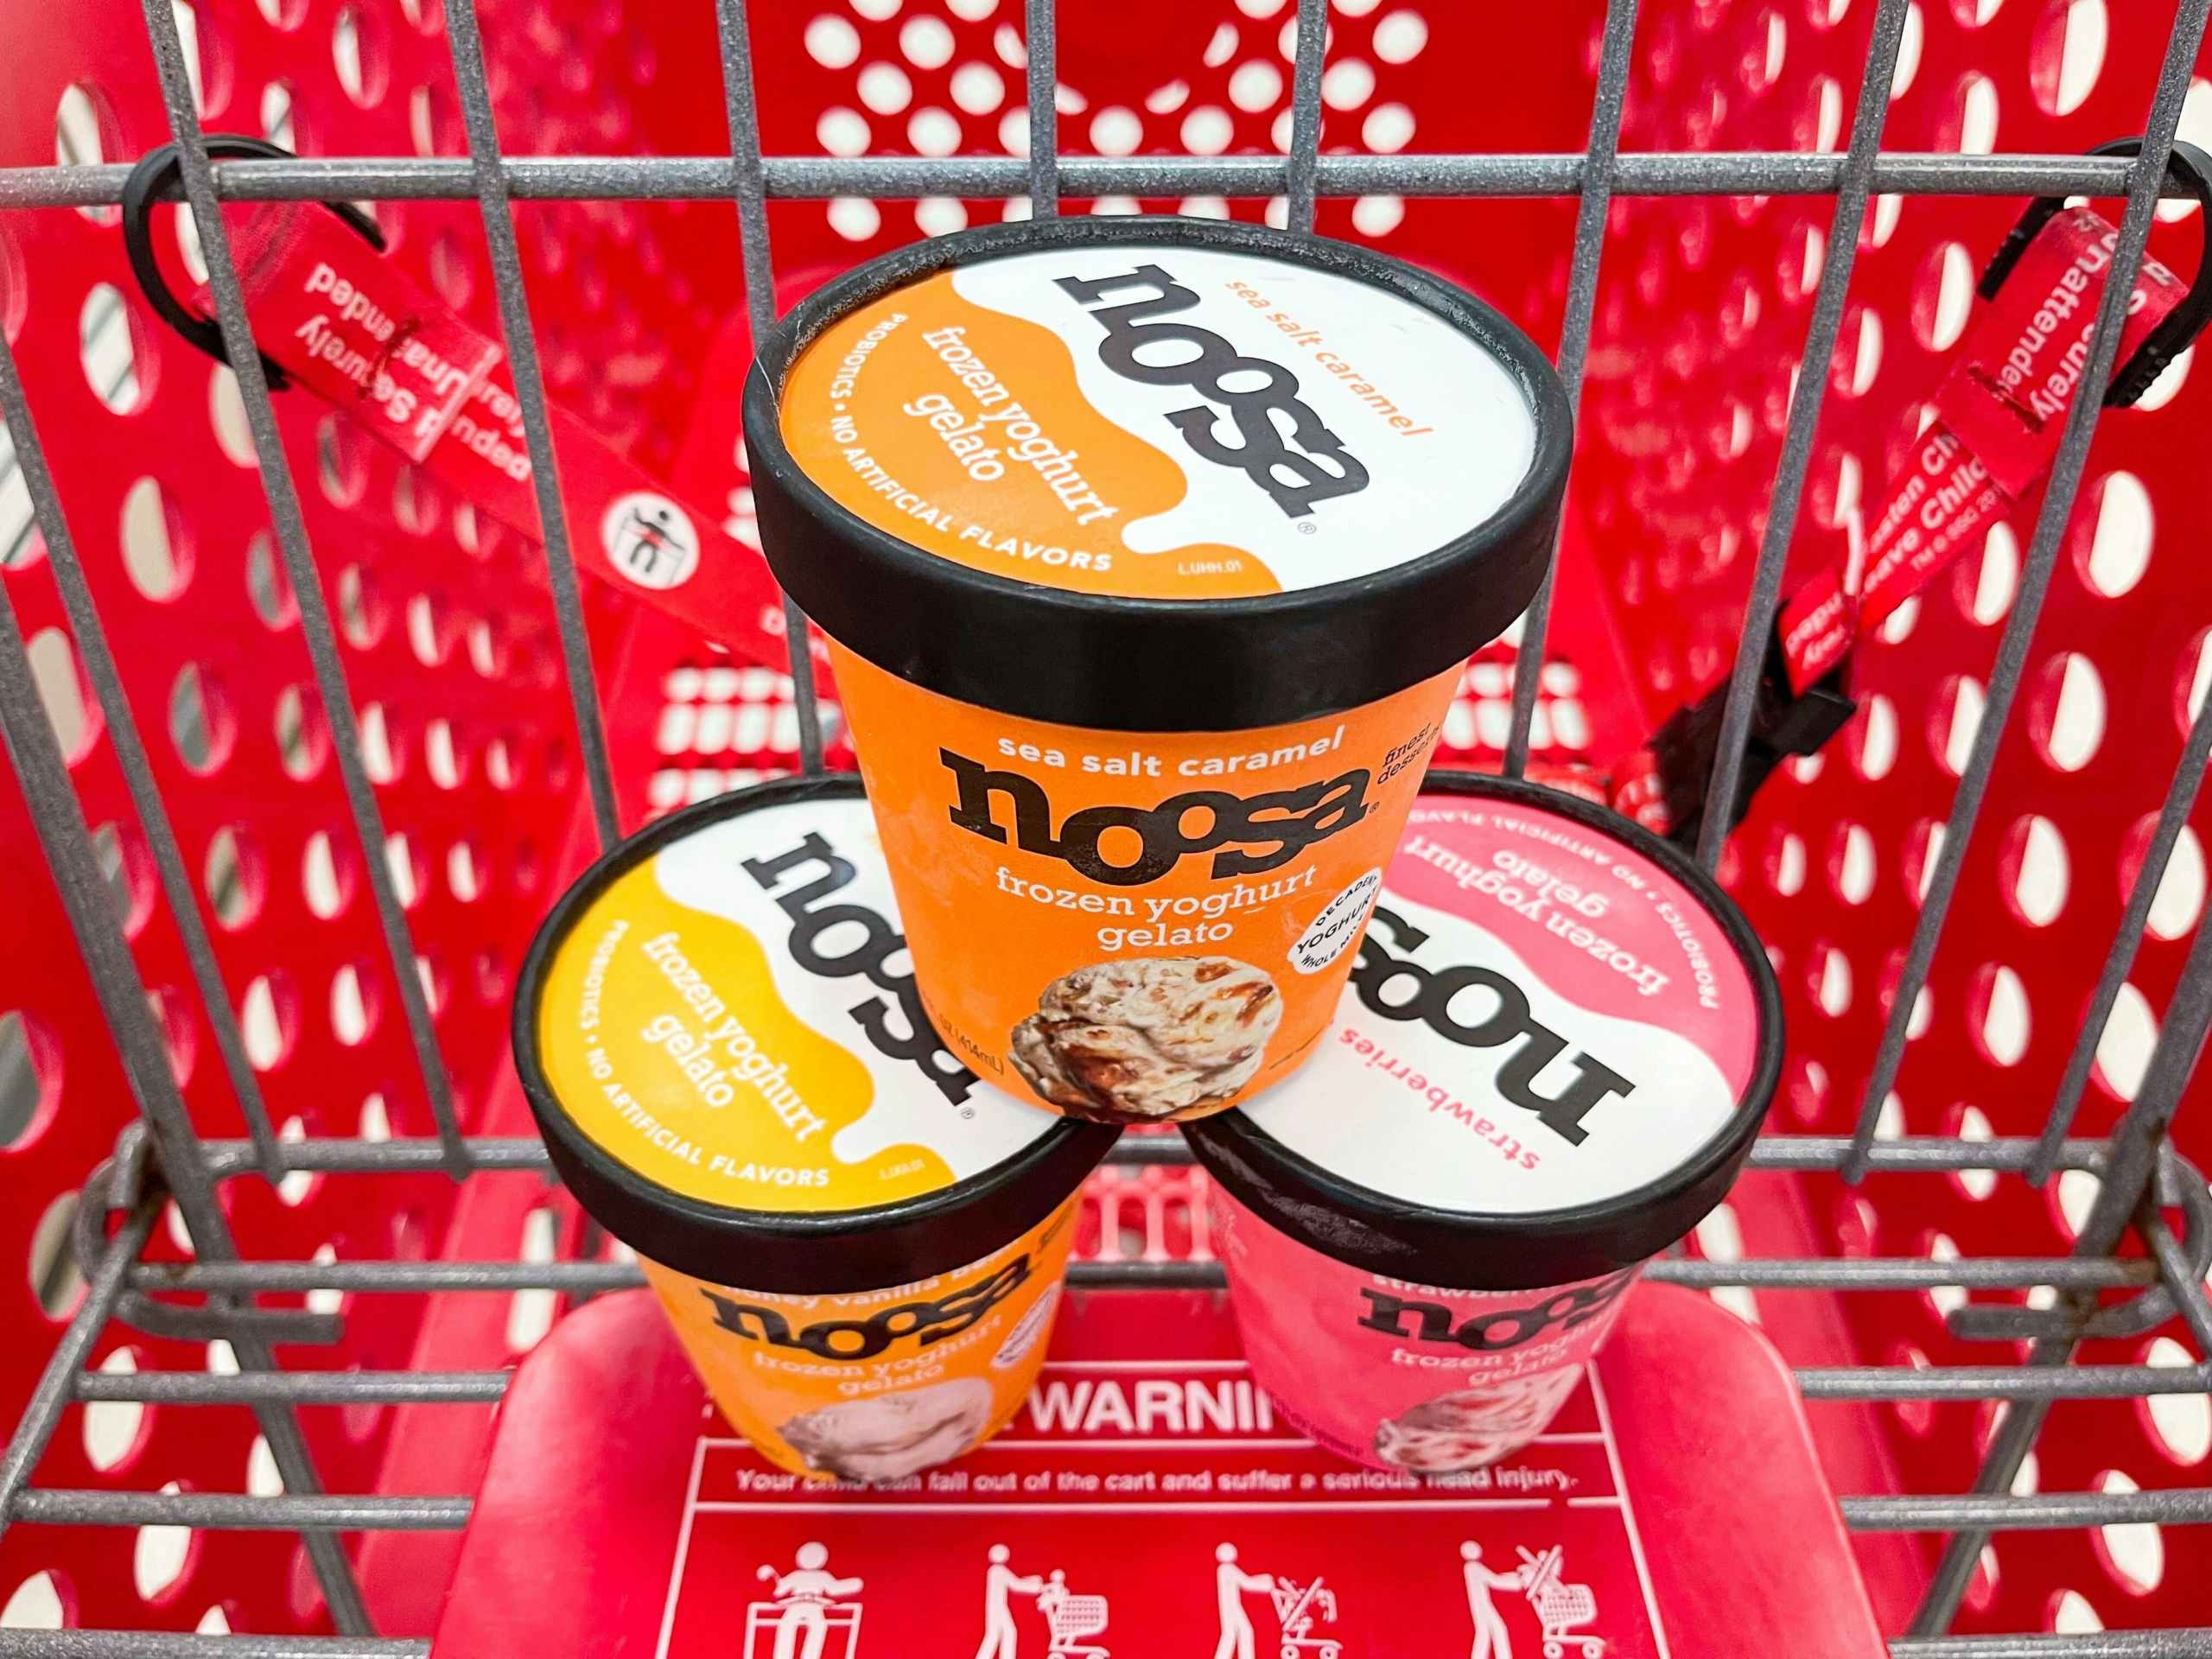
x,y
1148,551
1556,1046
859,1242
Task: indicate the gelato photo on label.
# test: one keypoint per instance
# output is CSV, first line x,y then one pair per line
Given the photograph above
x,y
1147,1036
893,1435
1472,1426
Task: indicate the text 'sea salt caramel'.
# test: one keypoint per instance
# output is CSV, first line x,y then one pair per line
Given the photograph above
x,y
1556,1046
859,1242
1148,551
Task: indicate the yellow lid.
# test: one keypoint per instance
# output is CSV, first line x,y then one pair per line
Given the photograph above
x,y
732,1017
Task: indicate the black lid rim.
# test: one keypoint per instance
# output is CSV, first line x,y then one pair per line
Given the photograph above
x,y
799,1253
1357,640
1551,1247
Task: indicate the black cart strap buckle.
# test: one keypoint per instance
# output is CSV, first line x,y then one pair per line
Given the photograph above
x,y
1666,786
158,177
2188,166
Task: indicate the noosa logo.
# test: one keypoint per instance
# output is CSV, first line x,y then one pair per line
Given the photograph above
x,y
1490,1332
929,1321
1281,445
1281,823
894,1022
1398,987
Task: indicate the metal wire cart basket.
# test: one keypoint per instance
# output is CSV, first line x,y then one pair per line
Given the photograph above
x,y
302,747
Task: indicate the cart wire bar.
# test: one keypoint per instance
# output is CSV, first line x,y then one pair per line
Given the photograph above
x,y
506,1154
2109,1644
237,1511
1808,397
1304,115
1596,202
466,44
122,724
300,1388
2137,1149
1041,172
814,178
58,818
751,192
1812,1273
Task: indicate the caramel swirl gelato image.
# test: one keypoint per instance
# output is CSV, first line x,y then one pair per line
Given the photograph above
x,y
893,1435
1148,1037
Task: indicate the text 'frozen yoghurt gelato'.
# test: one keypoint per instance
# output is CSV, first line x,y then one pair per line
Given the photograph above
x,y
860,1243
1558,1043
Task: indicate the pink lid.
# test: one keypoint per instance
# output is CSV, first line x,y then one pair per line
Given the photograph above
x,y
1557,1025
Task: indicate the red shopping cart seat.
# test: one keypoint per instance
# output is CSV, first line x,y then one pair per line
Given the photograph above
x,y
1676,1509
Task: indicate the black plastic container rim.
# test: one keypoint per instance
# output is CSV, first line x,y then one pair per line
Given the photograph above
x,y
789,1252
1113,662
1471,1250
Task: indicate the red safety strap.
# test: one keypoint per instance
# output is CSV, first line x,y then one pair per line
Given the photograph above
x,y
1998,418
349,326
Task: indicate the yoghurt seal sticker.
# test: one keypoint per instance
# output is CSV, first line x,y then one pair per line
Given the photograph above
x,y
1164,421
733,1017
1539,1018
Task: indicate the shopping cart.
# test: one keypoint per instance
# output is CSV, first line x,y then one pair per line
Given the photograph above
x,y
1299,1607
1561,1608
1070,1618
301,742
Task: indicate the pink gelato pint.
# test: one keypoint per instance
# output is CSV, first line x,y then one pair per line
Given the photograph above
x,y
1557,1047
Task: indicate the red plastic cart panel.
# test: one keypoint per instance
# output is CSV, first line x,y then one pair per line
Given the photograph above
x,y
1149,1504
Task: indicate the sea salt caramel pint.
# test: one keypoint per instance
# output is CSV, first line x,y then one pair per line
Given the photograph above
x,y
859,1243
1148,551
1557,1045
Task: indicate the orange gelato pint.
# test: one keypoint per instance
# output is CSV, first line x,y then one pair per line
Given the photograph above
x,y
859,1243
1148,551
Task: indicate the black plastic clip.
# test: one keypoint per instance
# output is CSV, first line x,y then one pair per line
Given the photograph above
x,y
2187,165
158,178
1783,722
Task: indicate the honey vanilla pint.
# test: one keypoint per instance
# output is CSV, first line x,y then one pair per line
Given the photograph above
x,y
1558,1043
1149,551
859,1242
